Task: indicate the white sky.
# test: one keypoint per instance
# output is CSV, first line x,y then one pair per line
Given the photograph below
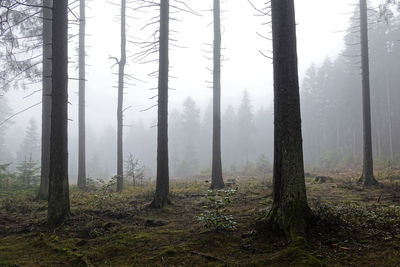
x,y
318,24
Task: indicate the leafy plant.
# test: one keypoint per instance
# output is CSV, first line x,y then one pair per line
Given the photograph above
x,y
213,216
134,170
104,193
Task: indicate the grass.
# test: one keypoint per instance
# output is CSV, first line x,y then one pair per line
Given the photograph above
x,y
357,226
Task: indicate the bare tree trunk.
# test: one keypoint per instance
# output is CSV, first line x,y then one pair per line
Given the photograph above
x,y
367,177
82,123
46,100
290,212
58,208
217,181
162,184
121,74
379,138
389,107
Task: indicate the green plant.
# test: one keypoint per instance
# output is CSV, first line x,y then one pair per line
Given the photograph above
x,y
213,216
134,170
28,172
104,193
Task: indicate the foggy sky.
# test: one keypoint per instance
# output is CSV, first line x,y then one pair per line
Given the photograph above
x,y
319,25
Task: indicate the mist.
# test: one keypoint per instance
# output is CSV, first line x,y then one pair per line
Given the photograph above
x,y
244,70
199,133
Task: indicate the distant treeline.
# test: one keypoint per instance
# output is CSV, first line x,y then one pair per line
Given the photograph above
x,y
332,103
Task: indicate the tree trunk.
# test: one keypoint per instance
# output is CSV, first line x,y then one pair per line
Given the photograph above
x,y
121,74
367,177
46,101
82,124
217,181
162,184
389,110
290,212
58,208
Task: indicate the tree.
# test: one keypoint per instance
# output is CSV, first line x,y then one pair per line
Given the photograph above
x,y
134,170
121,74
4,176
43,193
58,207
162,183
82,82
28,172
290,212
5,111
189,135
229,142
20,32
30,146
367,177
217,181
245,128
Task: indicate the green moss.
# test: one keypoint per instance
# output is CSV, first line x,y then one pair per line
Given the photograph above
x,y
169,251
169,232
295,256
143,236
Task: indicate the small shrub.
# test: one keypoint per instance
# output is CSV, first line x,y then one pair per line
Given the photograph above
x,y
104,193
213,217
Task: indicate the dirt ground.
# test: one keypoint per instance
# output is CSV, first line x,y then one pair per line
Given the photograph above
x,y
355,226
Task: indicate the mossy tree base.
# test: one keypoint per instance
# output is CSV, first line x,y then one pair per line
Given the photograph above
x,y
293,221
217,185
160,202
368,180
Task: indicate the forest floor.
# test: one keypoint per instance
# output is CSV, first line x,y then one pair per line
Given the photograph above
x,y
356,226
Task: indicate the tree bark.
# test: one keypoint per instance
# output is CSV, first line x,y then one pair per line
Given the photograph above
x,y
162,183
43,193
367,177
82,122
290,212
217,181
59,208
121,75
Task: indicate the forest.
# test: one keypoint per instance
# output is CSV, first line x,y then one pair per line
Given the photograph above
x,y
199,133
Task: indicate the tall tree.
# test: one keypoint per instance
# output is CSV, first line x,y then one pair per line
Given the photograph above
x,y
367,177
59,208
46,99
245,129
31,144
82,82
217,181
162,183
121,74
189,128
5,112
290,212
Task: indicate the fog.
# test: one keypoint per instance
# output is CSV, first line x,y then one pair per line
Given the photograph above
x,y
247,121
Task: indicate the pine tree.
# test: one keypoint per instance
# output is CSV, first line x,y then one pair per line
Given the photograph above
x,y
31,144
367,177
245,129
82,96
5,111
58,203
190,128
162,181
28,172
217,181
290,212
43,193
